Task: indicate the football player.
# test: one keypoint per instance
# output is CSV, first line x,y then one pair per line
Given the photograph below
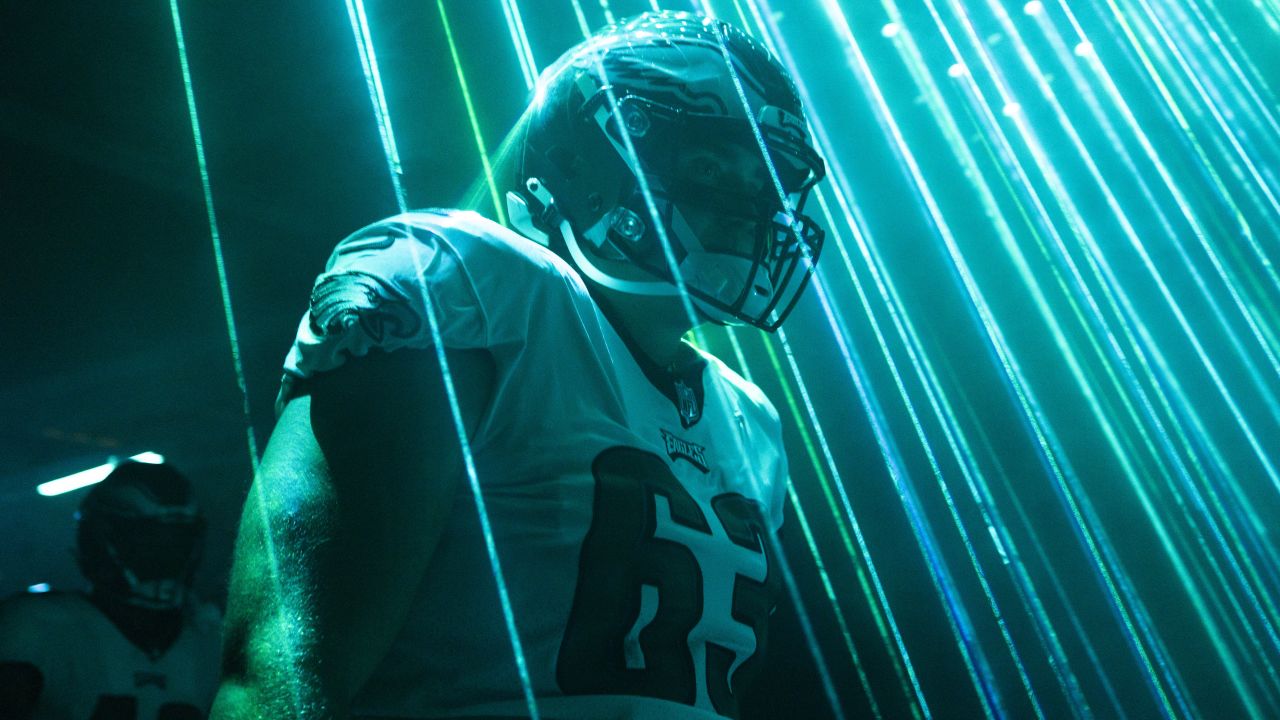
x,y
630,484
137,646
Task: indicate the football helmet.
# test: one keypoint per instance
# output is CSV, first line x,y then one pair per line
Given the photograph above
x,y
677,145
140,536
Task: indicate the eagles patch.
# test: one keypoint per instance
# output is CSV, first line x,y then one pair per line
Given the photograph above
x,y
679,448
345,300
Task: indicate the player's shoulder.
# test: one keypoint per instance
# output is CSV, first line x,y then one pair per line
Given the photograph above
x,y
747,392
484,247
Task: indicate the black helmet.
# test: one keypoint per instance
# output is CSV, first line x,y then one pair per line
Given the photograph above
x,y
647,139
140,536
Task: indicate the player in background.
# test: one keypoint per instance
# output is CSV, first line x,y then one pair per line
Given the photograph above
x,y
631,482
137,646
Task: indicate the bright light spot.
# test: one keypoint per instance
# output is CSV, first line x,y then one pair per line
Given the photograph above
x,y
956,71
1084,49
1033,8
1012,109
84,478
891,30
39,588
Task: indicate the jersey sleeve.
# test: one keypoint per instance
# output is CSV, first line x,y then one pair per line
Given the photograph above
x,y
396,284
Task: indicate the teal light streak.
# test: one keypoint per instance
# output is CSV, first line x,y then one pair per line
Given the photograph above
x,y
841,623
1064,597
286,628
1233,54
1199,503
373,78
581,18
609,19
1064,200
1270,11
1200,432
1208,103
520,41
1167,96
1052,454
914,62
498,206
808,535
877,601
464,443
964,456
1256,326
1157,524
838,330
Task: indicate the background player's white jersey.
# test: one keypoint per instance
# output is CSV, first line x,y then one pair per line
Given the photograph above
x,y
91,670
629,504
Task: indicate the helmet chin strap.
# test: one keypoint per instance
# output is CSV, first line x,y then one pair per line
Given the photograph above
x,y
531,221
719,275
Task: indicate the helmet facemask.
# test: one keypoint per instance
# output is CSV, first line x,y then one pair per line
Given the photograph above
x,y
140,547
624,189
742,249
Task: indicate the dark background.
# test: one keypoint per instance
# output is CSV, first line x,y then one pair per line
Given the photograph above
x,y
114,335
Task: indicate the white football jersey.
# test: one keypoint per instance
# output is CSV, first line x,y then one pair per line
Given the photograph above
x,y
630,506
91,670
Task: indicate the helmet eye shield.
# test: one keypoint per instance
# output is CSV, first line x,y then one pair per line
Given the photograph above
x,y
664,138
718,195
157,549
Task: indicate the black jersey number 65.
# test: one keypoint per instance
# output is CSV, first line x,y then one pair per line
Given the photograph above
x,y
621,556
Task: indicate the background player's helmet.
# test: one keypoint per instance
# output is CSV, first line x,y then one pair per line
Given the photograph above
x,y
621,114
140,536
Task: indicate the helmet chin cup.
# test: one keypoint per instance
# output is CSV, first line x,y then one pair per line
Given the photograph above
x,y
724,277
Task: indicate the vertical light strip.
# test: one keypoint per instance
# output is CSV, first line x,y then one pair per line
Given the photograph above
x,y
1056,462
609,19
1162,89
1252,81
290,650
369,63
494,195
877,600
382,114
1226,548
581,18
520,41
841,623
1207,102
215,237
837,327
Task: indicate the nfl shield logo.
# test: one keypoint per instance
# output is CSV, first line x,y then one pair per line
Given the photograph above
x,y
687,402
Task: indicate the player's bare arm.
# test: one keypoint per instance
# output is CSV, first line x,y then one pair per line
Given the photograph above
x,y
353,489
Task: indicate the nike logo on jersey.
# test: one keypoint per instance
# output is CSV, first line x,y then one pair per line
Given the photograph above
x,y
679,448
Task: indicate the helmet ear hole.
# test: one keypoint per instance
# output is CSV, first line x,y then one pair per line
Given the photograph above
x,y
595,202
